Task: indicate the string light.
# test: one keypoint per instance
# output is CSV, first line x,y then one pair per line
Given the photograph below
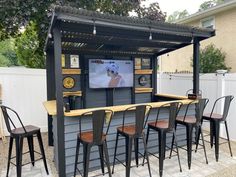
x,y
94,28
150,35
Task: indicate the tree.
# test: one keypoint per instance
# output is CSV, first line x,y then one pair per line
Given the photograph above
x,y
7,53
212,59
15,14
208,4
153,12
27,48
177,15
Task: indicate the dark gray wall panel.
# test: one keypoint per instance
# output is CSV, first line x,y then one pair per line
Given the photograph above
x,y
122,96
143,98
71,131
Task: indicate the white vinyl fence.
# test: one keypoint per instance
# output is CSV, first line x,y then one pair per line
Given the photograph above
x,y
212,86
24,90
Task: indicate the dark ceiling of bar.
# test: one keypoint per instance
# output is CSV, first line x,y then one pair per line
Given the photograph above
x,y
119,35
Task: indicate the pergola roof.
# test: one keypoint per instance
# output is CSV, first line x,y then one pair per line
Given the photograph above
x,y
119,35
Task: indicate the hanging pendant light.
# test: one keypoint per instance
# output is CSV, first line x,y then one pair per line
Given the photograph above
x,y
150,35
94,28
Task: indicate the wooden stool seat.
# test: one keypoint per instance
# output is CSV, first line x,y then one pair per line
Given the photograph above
x,y
88,137
129,129
161,124
187,119
29,128
208,116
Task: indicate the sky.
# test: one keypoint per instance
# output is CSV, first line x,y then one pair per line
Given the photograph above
x,y
170,6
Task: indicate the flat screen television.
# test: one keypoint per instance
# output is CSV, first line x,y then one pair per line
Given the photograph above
x,y
106,73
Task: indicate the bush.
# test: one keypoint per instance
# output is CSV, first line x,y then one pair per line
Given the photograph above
x,y
212,59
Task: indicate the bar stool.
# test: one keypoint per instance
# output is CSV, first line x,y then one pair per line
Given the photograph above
x,y
94,137
190,122
133,132
163,127
19,134
215,120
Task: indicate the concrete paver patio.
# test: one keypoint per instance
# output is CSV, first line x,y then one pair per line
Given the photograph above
x,y
226,167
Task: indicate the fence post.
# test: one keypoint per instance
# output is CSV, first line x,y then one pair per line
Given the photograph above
x,y
220,93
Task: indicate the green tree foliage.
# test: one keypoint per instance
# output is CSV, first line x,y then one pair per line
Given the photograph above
x,y
15,14
212,59
7,53
177,15
153,12
208,4
27,48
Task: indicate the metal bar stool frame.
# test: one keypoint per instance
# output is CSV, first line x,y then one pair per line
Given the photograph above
x,y
191,122
215,120
94,137
163,127
19,134
141,116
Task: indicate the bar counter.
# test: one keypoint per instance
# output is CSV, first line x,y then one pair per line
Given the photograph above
x,y
50,106
71,121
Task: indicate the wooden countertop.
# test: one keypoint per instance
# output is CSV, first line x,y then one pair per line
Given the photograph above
x,y
50,106
172,96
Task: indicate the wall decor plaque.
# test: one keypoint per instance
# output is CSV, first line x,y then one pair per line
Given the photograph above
x,y
74,61
68,82
137,63
142,80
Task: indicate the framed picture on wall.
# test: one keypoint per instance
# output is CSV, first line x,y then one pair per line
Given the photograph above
x,y
146,63
137,63
63,60
74,61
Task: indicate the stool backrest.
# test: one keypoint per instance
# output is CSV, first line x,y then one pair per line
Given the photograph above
x,y
6,111
227,100
98,121
173,110
199,108
141,116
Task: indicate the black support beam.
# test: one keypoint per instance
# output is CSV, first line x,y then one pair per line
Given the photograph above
x,y
50,90
196,68
59,102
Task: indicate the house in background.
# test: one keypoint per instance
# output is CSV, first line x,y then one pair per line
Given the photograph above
x,y
222,18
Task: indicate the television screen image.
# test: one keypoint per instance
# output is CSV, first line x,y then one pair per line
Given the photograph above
x,y
104,73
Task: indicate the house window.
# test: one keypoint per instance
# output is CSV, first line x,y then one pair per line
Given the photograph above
x,y
208,23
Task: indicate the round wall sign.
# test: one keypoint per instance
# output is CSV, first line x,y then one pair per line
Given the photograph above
x,y
142,80
68,82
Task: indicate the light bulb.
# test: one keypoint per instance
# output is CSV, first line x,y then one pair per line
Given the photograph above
x,y
150,36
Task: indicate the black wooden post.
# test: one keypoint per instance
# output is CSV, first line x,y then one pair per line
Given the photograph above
x,y
59,97
50,89
196,68
154,76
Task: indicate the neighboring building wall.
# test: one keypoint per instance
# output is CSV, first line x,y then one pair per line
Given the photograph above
x,y
225,25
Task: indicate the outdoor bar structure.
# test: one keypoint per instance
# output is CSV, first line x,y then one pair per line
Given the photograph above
x,y
79,44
